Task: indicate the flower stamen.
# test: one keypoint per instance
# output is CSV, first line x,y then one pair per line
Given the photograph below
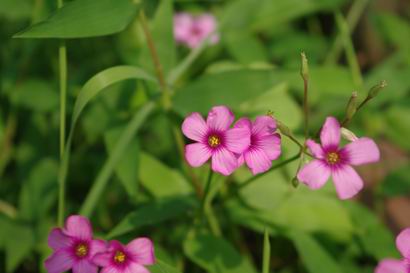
x,y
214,141
81,250
119,257
332,158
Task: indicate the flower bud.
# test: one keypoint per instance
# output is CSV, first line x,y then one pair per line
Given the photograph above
x,y
351,106
284,129
348,135
304,70
374,91
295,182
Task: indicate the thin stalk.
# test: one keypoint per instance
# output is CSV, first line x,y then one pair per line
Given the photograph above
x,y
62,58
266,252
255,177
349,51
306,107
155,59
207,189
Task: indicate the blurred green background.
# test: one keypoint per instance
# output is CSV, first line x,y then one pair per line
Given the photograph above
x,y
351,45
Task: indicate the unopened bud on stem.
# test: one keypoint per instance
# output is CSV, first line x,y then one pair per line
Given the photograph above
x,y
351,106
304,70
284,129
295,182
374,91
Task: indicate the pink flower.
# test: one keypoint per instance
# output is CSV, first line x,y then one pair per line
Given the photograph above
x,y
73,247
335,161
264,146
398,266
215,139
127,259
191,31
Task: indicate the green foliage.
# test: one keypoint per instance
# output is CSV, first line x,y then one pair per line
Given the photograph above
x,y
84,18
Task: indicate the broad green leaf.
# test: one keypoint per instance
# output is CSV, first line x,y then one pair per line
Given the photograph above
x,y
20,242
162,267
311,211
162,31
84,18
278,100
160,180
36,95
114,158
230,88
216,255
15,9
274,13
376,239
127,167
398,120
397,183
39,190
245,47
153,213
92,88
313,255
401,36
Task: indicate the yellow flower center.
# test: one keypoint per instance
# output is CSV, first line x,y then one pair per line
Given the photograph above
x,y
81,250
214,141
332,158
119,257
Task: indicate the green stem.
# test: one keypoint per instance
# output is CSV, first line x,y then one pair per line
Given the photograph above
x,y
166,99
266,252
255,177
306,107
207,189
62,57
349,51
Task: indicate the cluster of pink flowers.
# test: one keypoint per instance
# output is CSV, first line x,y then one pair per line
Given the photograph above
x,y
74,248
394,265
191,31
255,144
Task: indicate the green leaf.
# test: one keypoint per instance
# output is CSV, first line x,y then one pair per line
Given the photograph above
x,y
376,239
127,167
245,48
153,213
216,255
230,88
398,119
114,158
313,255
162,31
162,267
397,183
36,95
279,12
15,9
160,180
91,89
39,190
20,242
84,18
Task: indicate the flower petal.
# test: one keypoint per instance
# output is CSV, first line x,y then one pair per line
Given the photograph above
x,y
263,125
390,266
197,154
270,144
362,151
182,26
60,261
84,266
403,242
315,149
314,174
57,239
137,268
257,161
194,127
98,246
330,133
220,118
79,227
142,251
102,259
243,122
112,269
224,161
347,182
237,140
207,23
